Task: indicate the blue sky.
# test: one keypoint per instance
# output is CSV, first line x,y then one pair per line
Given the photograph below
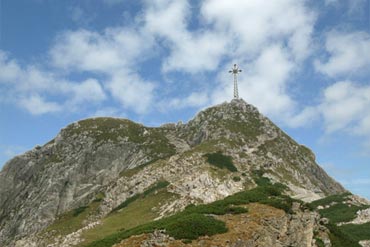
x,y
305,65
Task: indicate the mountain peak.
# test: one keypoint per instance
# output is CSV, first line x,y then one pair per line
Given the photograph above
x,y
102,162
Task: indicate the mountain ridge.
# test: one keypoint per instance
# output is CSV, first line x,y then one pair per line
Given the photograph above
x,y
110,160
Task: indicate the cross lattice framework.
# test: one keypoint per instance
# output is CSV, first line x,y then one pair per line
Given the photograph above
x,y
235,71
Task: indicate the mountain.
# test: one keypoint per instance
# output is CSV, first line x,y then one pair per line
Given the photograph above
x,y
229,172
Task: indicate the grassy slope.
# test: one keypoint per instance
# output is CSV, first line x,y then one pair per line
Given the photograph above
x,y
136,213
73,220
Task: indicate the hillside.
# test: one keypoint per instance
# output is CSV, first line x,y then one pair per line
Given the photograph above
x,y
105,180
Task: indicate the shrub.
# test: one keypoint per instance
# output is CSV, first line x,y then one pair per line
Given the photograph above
x,y
341,212
193,226
327,200
340,239
221,161
236,179
195,221
358,232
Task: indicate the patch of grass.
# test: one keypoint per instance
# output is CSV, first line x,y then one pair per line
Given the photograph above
x,y
339,238
221,161
236,179
73,220
357,232
141,211
157,186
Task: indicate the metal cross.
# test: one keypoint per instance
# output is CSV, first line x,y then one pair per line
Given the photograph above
x,y
235,71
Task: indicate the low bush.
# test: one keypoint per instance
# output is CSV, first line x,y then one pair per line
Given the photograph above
x,y
193,226
339,238
196,221
358,232
221,161
341,212
329,199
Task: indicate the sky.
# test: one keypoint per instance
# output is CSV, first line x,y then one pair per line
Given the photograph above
x,y
305,66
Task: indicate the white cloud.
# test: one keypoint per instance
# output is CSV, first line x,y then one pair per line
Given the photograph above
x,y
36,105
87,91
132,91
116,53
9,69
349,54
304,118
31,87
255,24
112,50
190,51
195,99
346,106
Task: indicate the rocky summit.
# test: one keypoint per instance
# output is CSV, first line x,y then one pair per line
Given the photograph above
x,y
228,177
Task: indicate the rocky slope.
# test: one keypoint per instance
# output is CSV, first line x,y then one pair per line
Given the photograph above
x,y
95,165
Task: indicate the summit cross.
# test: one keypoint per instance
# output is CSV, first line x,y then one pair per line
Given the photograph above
x,y
235,71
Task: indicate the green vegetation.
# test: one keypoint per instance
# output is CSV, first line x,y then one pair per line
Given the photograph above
x,y
357,232
99,197
236,179
141,211
73,220
341,212
319,242
157,186
329,199
345,235
192,226
258,178
338,210
79,211
249,128
130,172
195,221
221,161
114,130
339,238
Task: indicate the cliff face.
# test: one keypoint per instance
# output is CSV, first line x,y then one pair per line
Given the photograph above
x,y
109,160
